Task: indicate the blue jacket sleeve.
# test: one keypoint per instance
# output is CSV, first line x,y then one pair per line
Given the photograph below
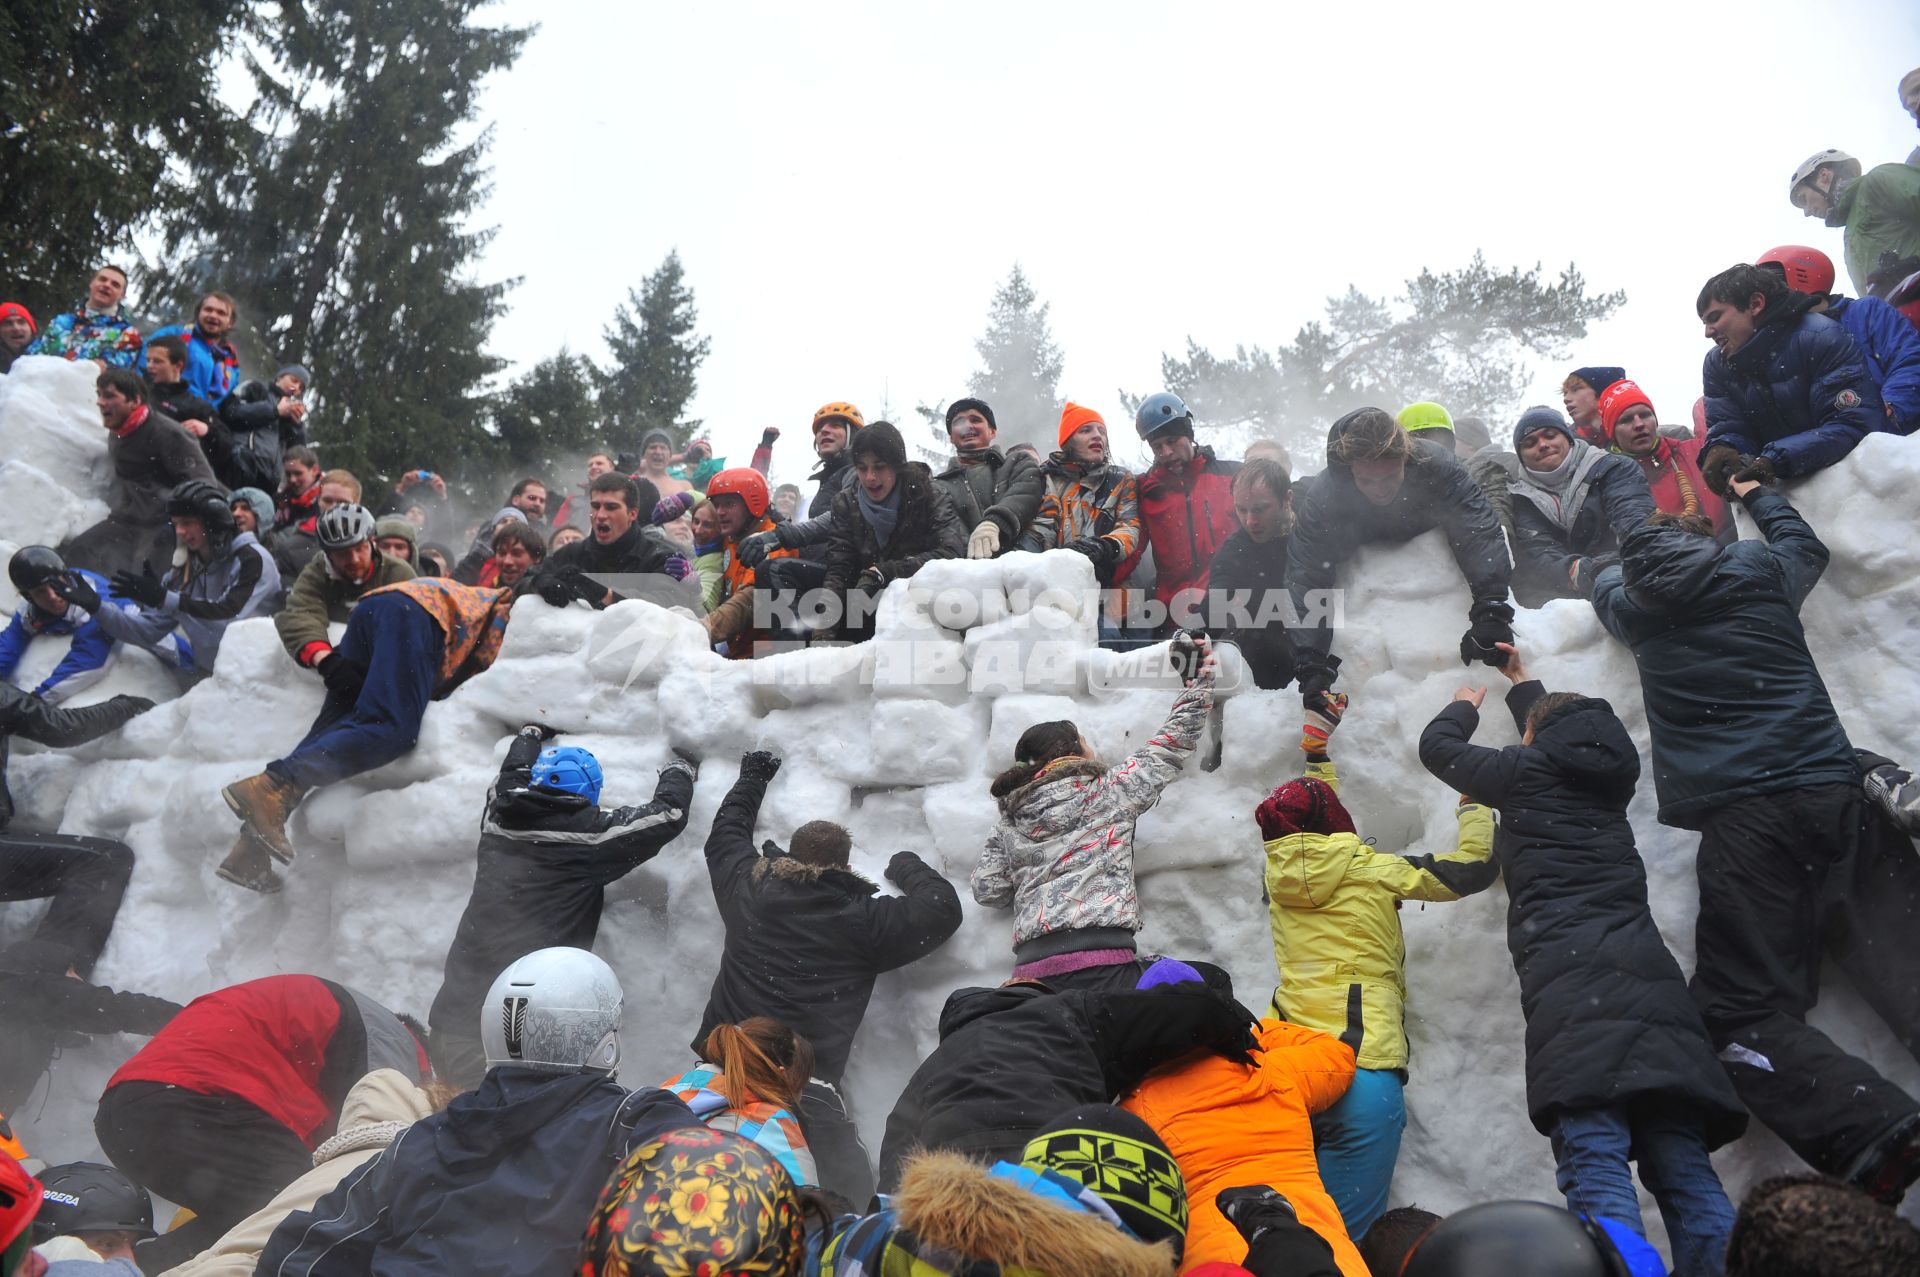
x,y
1726,417
1840,395
86,658
13,645
1801,555
1895,347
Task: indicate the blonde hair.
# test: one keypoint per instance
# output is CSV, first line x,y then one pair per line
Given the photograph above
x,y
345,479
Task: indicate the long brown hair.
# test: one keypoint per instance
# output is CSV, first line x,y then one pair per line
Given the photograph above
x,y
760,1058
1039,745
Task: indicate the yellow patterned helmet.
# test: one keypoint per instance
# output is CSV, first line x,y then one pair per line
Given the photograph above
x,y
696,1203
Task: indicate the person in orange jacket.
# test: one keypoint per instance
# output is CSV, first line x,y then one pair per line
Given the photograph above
x,y
1232,1125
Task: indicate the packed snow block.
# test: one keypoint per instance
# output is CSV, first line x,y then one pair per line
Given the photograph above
x,y
704,711
929,668
49,420
952,595
1036,651
634,643
922,742
402,827
960,814
811,676
39,506
1058,579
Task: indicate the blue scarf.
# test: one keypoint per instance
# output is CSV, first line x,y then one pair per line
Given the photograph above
x,y
881,516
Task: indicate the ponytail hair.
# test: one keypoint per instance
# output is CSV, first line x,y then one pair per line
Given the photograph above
x,y
1039,745
760,1059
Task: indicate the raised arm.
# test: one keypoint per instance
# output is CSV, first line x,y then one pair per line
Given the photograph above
x,y
731,854
904,928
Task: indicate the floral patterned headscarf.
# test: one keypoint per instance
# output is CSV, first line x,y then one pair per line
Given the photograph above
x,y
695,1203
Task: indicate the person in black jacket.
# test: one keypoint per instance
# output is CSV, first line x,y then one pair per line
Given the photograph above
x,y
996,495
888,522
622,557
1014,1057
547,854
1619,1064
174,398
1572,502
265,421
806,938
44,1001
1380,485
834,426
1247,600
1748,750
85,877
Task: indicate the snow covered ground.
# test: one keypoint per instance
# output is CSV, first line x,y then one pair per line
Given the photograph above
x,y
898,740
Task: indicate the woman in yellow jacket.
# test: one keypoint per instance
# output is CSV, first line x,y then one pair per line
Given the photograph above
x,y
1334,903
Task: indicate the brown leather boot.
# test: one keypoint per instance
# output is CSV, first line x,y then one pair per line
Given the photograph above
x,y
248,865
264,802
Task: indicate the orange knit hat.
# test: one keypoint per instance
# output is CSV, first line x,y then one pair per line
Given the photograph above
x,y
1072,417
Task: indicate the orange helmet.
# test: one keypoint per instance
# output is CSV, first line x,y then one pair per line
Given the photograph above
x,y
845,410
1808,270
744,482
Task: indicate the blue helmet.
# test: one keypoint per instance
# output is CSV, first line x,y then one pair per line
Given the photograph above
x,y
568,769
1162,412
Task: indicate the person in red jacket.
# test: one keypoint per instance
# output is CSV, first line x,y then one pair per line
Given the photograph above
x,y
1186,506
224,1107
1672,466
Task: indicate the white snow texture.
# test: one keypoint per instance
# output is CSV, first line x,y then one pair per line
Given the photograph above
x,y
897,739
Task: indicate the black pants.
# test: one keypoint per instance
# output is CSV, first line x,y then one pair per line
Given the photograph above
x,y
1783,878
834,1140
86,877
220,1157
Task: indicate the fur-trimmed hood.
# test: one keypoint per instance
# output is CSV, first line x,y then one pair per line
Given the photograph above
x,y
956,1204
788,869
1064,769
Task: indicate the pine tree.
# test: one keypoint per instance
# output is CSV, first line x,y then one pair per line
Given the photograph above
x,y
95,99
344,233
1020,366
1462,338
547,418
654,358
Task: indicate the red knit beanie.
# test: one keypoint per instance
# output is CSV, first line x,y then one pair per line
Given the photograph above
x,y
14,310
1072,417
1615,400
1304,806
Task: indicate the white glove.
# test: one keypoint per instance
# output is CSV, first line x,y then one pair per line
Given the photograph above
x,y
985,541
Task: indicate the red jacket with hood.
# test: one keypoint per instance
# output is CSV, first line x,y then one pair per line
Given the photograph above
x,y
1187,517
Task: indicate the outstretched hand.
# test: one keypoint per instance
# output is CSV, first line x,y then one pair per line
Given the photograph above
x,y
759,764
1514,668
1471,695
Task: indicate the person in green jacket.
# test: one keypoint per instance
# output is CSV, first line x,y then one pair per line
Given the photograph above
x,y
1880,211
1334,903
348,566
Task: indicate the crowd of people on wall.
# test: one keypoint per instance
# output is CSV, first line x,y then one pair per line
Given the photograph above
x,y
1105,1110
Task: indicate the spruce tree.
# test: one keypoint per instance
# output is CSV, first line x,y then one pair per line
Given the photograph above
x,y
95,99
1020,366
654,358
549,417
344,234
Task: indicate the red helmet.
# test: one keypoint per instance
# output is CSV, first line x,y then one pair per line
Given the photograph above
x,y
19,1200
1808,269
744,482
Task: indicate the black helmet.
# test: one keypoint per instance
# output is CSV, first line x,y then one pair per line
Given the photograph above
x,y
208,502
1162,412
32,566
86,1197
1520,1237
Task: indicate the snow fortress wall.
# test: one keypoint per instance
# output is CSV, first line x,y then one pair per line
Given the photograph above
x,y
897,739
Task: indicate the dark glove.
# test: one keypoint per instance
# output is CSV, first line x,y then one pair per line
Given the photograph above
x,y
561,585
343,675
143,587
1229,1032
1277,1242
1755,470
870,581
1245,1207
759,764
1482,639
1717,465
1590,567
77,590
768,435
1313,672
1104,551
753,550
679,567
539,731
667,509
772,850
140,704
903,863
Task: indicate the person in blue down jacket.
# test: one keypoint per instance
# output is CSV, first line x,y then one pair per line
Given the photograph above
x,y
1888,342
1787,391
1794,864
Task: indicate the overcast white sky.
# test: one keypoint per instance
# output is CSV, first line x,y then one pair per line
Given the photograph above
x,y
848,182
